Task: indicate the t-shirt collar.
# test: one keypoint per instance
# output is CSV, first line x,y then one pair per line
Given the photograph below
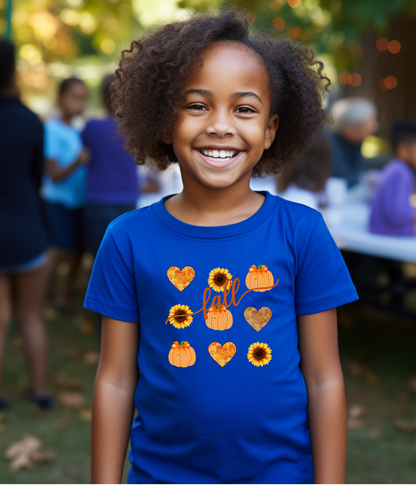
x,y
175,225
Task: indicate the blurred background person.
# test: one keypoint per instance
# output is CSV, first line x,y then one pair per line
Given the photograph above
x,y
305,181
23,231
393,211
112,175
354,119
64,185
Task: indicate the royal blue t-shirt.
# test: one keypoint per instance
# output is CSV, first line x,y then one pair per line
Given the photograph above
x,y
220,398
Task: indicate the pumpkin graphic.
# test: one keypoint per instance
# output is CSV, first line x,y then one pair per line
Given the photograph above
x,y
259,278
219,318
182,354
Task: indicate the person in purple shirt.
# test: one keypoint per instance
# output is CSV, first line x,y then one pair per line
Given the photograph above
x,y
113,179
393,210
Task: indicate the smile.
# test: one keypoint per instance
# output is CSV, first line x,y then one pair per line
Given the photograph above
x,y
215,153
219,157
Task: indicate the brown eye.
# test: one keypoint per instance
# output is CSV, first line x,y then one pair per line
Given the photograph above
x,y
245,110
197,107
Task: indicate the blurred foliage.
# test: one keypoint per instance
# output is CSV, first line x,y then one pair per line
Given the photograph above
x,y
333,27
57,38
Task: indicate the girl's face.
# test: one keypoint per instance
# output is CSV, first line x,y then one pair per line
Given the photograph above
x,y
224,125
74,101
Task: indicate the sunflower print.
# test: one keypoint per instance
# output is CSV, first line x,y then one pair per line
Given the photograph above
x,y
217,278
182,319
259,354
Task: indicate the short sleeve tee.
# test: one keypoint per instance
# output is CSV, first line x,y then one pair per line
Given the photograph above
x,y
221,397
63,144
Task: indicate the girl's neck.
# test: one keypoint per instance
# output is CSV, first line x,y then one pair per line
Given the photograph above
x,y
198,204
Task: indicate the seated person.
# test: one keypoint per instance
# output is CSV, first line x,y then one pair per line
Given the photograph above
x,y
393,211
304,182
354,119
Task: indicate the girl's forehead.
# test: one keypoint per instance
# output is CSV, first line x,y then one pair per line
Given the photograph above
x,y
230,60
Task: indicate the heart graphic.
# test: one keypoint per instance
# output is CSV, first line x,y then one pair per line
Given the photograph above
x,y
222,354
181,278
257,318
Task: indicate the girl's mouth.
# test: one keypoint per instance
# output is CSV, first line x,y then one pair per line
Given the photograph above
x,y
219,157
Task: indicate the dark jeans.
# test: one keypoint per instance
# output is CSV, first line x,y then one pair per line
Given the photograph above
x,y
96,220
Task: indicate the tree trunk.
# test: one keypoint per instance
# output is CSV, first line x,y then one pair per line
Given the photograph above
x,y
399,103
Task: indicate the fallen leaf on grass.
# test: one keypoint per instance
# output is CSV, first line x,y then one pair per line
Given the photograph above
x,y
17,340
356,411
77,354
406,426
61,423
361,371
91,358
85,415
87,328
374,434
27,452
67,383
72,401
50,314
2,428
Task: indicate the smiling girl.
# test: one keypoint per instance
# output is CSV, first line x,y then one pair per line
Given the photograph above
x,y
222,298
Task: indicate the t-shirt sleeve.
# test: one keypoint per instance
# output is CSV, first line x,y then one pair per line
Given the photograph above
x,y
51,142
112,287
322,279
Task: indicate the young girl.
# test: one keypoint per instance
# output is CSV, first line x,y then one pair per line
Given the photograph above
x,y
225,298
65,182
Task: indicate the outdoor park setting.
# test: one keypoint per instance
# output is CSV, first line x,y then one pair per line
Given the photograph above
x,y
66,53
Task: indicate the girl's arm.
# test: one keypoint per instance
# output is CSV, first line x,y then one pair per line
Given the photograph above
x,y
113,400
57,174
327,408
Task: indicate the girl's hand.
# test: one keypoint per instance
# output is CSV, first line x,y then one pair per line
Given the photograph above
x,y
84,157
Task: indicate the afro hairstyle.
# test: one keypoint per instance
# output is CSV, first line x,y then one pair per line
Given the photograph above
x,y
153,72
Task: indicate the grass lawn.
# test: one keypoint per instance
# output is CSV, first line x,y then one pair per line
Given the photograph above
x,y
378,358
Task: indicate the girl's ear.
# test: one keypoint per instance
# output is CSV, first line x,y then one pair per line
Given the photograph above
x,y
271,131
167,137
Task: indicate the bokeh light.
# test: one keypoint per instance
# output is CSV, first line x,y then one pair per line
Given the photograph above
x,y
107,46
279,23
382,85
381,44
394,47
294,3
276,5
355,79
344,77
390,82
294,32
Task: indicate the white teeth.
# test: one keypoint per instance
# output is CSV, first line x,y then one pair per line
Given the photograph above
x,y
219,154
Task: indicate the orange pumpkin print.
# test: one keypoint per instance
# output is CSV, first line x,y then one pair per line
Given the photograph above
x,y
259,278
219,318
182,354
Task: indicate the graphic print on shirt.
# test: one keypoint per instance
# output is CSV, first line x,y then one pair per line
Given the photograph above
x,y
222,354
182,354
181,278
257,318
180,316
259,278
259,354
217,279
219,318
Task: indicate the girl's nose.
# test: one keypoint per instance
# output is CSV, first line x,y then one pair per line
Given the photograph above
x,y
220,125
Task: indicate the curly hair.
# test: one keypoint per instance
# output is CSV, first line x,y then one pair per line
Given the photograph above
x,y
152,74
